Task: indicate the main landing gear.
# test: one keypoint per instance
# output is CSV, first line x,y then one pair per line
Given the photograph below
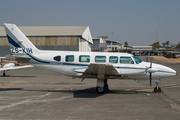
x,y
157,89
102,86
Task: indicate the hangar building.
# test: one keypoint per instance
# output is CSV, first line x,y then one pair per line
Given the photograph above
x,y
67,38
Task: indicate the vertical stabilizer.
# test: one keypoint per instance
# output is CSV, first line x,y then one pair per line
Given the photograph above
x,y
19,43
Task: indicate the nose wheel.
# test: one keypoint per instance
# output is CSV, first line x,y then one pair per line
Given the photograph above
x,y
157,89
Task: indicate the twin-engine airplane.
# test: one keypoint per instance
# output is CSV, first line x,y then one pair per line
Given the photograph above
x,y
99,65
10,66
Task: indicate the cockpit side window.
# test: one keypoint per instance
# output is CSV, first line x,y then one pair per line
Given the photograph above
x,y
126,60
57,58
137,60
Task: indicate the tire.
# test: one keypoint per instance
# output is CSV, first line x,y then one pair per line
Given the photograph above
x,y
100,90
157,89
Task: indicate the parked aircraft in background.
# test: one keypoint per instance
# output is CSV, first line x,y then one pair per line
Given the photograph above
x,y
99,65
10,66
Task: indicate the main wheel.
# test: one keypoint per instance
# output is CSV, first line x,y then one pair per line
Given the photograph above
x,y
157,89
100,90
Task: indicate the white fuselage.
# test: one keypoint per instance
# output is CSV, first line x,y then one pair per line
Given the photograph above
x,y
75,63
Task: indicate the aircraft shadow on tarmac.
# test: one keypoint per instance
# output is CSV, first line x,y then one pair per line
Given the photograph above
x,y
133,91
9,89
86,93
91,93
171,86
15,76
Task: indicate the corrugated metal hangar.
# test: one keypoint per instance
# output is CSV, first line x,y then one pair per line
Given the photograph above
x,y
67,38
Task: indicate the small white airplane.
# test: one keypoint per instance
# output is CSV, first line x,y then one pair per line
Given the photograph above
x,y
98,65
10,66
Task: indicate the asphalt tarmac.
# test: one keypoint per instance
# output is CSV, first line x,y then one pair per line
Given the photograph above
x,y
39,94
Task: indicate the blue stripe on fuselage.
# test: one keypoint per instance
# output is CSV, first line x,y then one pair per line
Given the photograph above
x,y
128,67
37,59
55,63
73,64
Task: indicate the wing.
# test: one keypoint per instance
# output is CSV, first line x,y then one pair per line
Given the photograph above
x,y
103,70
16,67
97,69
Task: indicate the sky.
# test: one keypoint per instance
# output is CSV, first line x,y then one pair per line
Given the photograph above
x,y
139,22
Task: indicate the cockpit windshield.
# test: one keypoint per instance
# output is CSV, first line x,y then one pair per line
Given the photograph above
x,y
137,60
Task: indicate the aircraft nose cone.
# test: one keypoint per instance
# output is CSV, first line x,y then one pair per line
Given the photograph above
x,y
169,71
173,71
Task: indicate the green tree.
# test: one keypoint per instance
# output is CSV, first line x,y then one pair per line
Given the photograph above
x,y
178,46
156,45
164,44
126,45
167,43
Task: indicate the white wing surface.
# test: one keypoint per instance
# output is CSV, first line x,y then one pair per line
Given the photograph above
x,y
16,67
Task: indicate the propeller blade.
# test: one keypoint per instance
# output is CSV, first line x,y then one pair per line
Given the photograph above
x,y
147,59
150,78
151,63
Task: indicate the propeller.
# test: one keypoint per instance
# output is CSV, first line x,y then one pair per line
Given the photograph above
x,y
151,70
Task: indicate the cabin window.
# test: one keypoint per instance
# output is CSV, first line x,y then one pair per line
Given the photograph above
x,y
137,60
113,59
100,59
57,58
70,58
84,58
126,60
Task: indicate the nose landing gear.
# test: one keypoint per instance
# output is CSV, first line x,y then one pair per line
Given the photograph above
x,y
157,89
